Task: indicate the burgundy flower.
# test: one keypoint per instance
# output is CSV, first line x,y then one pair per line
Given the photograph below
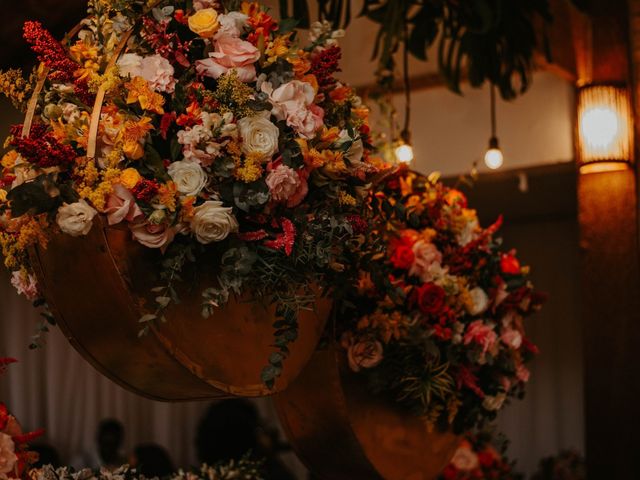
x,y
429,298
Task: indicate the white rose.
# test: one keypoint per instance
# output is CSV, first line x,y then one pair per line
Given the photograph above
x,y
189,177
465,459
232,24
8,456
130,65
76,219
259,136
494,403
212,222
479,301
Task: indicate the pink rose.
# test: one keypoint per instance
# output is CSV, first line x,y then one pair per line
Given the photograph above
x,y
522,373
425,255
8,458
364,354
511,338
121,206
293,102
230,53
301,192
283,181
151,235
25,284
306,122
481,334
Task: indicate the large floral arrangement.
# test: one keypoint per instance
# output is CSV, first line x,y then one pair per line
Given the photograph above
x,y
219,128
15,457
437,321
481,456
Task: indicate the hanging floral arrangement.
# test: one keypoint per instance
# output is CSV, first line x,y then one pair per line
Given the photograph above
x,y
202,127
481,455
437,323
15,457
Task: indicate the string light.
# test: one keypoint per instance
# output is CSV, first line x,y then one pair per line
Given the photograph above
x,y
404,149
493,158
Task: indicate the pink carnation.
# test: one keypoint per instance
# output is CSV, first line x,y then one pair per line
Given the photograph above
x,y
283,182
230,53
122,206
481,334
522,373
511,338
25,284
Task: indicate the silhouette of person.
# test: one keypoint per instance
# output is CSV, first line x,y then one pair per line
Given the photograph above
x,y
108,451
152,461
231,429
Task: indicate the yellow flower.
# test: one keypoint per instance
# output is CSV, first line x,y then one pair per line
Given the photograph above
x,y
250,170
3,195
9,159
345,199
167,195
129,178
279,47
139,91
204,22
132,135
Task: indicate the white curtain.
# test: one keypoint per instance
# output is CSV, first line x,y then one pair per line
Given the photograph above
x,y
54,388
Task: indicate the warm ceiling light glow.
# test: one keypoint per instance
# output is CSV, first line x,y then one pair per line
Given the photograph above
x,y
493,158
605,126
404,153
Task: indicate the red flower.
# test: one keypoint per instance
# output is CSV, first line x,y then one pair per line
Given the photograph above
x,y
145,190
402,255
430,298
450,473
509,264
466,378
49,51
486,458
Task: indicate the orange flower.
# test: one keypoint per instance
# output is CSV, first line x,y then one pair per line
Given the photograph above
x,y
132,135
130,177
340,93
329,135
301,64
139,92
167,195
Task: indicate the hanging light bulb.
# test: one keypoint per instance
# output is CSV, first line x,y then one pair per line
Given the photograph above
x,y
404,150
493,158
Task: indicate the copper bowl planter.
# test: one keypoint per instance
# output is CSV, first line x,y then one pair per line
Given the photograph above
x,y
97,287
342,432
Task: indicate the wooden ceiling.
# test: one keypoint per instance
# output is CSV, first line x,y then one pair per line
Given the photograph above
x,y
57,15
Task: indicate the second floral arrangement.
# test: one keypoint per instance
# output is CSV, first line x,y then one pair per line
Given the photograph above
x,y
437,323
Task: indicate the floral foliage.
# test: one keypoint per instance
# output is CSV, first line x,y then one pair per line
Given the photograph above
x,y
566,465
15,457
438,321
221,130
481,456
243,469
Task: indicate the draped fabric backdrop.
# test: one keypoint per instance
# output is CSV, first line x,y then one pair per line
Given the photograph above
x,y
56,389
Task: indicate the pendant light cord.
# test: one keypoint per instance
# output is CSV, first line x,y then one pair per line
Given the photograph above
x,y
406,133
493,111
